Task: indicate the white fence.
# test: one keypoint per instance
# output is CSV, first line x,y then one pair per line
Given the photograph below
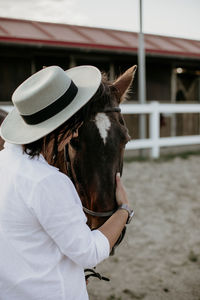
x,y
155,141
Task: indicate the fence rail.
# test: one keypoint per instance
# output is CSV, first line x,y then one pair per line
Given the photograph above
x,y
154,109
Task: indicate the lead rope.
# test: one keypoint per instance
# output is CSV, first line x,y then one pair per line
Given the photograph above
x,y
94,274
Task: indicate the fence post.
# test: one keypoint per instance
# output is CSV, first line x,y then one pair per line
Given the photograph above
x,y
154,129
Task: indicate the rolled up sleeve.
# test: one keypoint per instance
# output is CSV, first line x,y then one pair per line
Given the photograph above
x,y
58,209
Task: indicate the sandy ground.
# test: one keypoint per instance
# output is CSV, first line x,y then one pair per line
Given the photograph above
x,y
160,256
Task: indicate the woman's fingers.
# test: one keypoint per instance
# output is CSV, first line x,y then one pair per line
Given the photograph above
x,y
121,196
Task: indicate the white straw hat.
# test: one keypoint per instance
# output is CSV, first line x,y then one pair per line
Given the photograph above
x,y
46,100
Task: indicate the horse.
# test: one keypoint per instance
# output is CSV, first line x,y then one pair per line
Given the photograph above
x,y
96,155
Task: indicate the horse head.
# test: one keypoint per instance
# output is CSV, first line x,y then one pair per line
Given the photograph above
x,y
96,155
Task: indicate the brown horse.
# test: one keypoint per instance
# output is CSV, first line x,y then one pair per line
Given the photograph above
x,y
96,155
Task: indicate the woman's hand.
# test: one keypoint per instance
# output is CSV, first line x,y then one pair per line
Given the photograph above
x,y
121,196
113,227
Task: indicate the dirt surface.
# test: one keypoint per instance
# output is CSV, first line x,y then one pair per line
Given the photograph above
x,y
160,256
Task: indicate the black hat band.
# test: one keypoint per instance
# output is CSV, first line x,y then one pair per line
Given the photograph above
x,y
54,108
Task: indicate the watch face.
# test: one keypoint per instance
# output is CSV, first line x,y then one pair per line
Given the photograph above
x,y
130,217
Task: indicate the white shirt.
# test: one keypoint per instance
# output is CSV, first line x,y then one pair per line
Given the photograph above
x,y
45,243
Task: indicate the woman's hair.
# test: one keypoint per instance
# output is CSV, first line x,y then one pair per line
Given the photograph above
x,y
63,131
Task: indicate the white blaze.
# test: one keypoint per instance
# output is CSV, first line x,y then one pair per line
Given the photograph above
x,y
103,124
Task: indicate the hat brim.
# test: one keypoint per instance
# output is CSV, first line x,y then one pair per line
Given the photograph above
x,y
16,131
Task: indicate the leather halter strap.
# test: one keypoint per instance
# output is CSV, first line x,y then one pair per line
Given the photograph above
x,y
110,109
99,214
94,274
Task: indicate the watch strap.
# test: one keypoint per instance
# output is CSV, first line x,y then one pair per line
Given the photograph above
x,y
129,210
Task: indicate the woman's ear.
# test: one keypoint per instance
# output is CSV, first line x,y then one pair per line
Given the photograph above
x,y
124,81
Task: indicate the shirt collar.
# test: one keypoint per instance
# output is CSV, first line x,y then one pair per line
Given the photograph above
x,y
18,149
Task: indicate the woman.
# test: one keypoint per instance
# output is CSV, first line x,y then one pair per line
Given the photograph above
x,y
45,243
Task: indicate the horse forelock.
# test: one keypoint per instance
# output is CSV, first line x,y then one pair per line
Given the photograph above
x,y
106,96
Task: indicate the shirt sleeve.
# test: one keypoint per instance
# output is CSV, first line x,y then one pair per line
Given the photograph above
x,y
58,208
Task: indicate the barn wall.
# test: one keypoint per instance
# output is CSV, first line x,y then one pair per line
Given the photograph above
x,y
19,62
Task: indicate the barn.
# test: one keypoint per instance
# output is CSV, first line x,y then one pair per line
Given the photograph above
x,y
172,64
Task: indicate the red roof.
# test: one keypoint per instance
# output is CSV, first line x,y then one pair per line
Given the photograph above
x,y
71,36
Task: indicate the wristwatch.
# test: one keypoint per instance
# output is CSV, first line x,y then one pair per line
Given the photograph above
x,y
129,210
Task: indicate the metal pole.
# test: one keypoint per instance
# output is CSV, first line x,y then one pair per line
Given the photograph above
x,y
142,76
72,62
173,100
112,72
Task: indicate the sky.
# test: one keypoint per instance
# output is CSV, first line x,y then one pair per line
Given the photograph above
x,y
178,18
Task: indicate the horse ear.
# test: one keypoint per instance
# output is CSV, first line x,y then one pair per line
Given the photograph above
x,y
124,81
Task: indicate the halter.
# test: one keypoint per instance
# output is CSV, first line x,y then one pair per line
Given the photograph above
x,y
99,214
110,109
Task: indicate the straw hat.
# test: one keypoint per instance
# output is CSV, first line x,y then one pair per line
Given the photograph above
x,y
46,100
